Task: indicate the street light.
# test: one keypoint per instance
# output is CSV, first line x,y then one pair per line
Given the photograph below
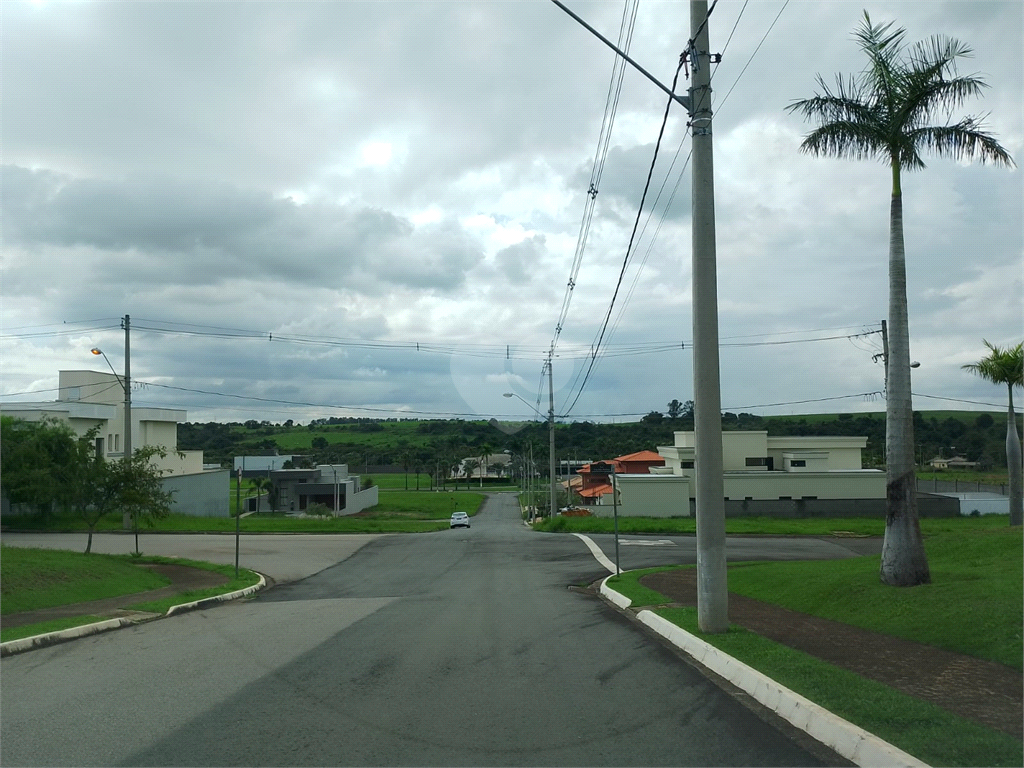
x,y
551,447
126,386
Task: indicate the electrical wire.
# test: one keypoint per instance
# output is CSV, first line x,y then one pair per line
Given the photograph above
x,y
629,246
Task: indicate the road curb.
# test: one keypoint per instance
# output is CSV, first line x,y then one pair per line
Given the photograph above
x,y
841,736
23,644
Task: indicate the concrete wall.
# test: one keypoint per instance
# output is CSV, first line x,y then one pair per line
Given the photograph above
x,y
201,495
858,484
928,506
357,501
649,496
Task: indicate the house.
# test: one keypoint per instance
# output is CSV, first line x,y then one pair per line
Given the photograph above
x,y
92,399
594,486
780,476
956,462
491,465
293,490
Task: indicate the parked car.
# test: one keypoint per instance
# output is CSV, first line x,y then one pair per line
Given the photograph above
x,y
459,519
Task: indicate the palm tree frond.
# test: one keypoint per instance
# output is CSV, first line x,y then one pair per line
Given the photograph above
x,y
850,139
964,141
1003,365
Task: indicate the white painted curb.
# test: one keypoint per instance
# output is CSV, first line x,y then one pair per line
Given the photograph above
x,y
208,601
842,736
49,638
596,552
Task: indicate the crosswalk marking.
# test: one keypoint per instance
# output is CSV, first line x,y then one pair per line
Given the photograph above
x,y
647,542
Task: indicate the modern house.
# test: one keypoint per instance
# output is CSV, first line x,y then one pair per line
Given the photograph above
x,y
765,475
91,399
328,484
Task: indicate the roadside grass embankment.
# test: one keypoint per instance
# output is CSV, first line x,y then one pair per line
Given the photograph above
x,y
973,606
32,579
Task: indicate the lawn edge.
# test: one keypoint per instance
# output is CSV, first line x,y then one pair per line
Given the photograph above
x,y
33,642
843,737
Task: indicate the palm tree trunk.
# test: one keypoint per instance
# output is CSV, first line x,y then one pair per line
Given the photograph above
x,y
1013,465
904,563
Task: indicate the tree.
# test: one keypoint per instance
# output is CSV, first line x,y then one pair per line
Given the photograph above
x,y
485,453
885,113
654,417
469,466
32,453
139,487
1006,366
675,409
259,484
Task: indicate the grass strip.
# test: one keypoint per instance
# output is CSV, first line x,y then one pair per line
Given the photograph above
x,y
973,605
925,730
43,627
31,579
246,578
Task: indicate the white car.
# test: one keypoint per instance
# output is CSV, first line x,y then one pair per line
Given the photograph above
x,y
459,519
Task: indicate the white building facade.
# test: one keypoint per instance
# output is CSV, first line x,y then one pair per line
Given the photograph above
x,y
89,400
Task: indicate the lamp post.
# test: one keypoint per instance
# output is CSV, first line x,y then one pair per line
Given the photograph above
x,y
551,443
127,387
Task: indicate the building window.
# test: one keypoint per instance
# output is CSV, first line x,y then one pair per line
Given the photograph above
x,y
785,498
686,465
805,498
117,442
757,461
798,463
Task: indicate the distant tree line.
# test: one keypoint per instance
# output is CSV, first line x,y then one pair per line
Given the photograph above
x,y
429,445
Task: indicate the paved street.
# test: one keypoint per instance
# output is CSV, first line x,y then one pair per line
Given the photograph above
x,y
461,647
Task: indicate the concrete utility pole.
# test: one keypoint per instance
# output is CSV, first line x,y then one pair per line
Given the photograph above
x,y
551,436
126,520
712,584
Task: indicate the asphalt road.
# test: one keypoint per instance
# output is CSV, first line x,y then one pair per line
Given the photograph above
x,y
463,647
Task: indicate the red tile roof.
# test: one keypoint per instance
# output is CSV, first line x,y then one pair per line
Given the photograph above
x,y
642,456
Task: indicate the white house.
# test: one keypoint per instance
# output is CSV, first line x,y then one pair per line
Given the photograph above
x,y
91,399
762,475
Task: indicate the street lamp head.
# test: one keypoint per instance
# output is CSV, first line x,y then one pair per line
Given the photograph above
x,y
508,394
96,351
915,364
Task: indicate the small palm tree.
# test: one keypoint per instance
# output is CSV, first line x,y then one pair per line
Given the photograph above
x,y
886,113
259,484
1006,366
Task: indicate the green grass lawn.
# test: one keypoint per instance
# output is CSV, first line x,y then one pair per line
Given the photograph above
x,y
973,607
397,512
31,579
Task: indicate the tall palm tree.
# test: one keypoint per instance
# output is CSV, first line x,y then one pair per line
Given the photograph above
x,y
485,453
886,113
1006,366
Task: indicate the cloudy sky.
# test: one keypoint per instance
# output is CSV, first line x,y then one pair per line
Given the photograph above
x,y
341,208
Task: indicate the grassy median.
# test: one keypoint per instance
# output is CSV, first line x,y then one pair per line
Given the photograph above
x,y
973,606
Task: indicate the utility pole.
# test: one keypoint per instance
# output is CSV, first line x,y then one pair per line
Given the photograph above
x,y
712,584
551,435
126,520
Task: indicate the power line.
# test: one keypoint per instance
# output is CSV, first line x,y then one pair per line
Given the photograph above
x,y
601,154
629,246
